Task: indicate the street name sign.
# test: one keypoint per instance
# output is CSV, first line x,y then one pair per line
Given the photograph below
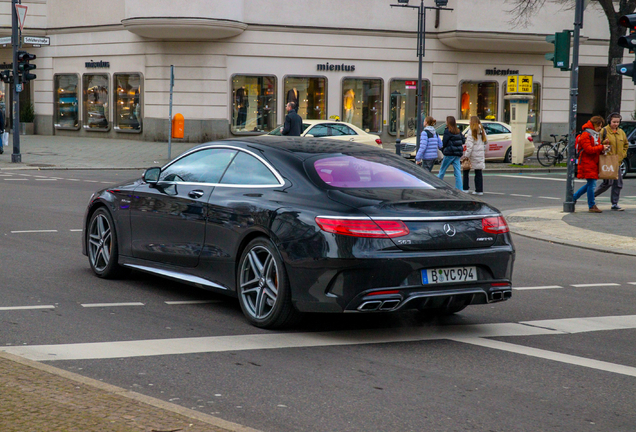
x,y
36,40
5,40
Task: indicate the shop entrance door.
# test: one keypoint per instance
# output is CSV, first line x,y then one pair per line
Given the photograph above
x,y
592,92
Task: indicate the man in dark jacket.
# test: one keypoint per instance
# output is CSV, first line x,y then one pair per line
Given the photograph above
x,y
1,130
293,122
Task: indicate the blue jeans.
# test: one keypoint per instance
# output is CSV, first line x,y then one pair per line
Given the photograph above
x,y
589,188
457,170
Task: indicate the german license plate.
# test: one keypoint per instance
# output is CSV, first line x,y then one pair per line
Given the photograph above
x,y
449,274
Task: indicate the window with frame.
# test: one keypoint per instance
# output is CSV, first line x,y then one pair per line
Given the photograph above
x,y
128,102
362,101
495,128
203,166
66,101
338,129
247,170
96,109
534,109
479,98
253,104
319,131
407,90
309,94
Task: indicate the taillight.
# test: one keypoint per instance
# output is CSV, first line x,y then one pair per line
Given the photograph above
x,y
378,141
363,227
495,225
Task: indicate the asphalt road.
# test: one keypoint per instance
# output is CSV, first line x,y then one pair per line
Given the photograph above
x,y
400,372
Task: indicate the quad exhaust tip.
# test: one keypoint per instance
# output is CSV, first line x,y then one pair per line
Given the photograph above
x,y
501,295
379,305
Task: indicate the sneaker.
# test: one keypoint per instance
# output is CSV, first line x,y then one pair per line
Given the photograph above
x,y
615,207
478,193
595,209
467,191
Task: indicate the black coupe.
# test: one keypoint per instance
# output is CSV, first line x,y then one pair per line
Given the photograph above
x,y
292,225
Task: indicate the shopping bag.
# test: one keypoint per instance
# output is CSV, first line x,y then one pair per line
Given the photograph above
x,y
608,167
5,139
466,165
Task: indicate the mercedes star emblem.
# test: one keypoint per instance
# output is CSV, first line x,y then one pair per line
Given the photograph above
x,y
449,230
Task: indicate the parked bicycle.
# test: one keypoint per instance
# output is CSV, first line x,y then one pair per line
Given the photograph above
x,y
552,153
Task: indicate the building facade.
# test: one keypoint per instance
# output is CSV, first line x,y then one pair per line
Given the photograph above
x,y
106,71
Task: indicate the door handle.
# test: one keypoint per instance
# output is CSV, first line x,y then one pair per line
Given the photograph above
x,y
352,139
195,193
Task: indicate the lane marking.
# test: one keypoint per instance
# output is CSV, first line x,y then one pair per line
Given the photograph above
x,y
520,195
76,230
537,178
551,198
93,305
73,179
494,193
10,308
15,179
33,231
91,181
594,285
537,287
191,302
632,283
45,179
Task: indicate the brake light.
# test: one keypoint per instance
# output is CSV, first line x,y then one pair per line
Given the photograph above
x,y
363,227
387,292
495,225
378,141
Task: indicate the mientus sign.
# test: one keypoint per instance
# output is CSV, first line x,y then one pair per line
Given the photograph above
x,y
336,67
495,71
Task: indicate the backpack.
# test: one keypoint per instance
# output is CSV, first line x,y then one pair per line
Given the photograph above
x,y
577,152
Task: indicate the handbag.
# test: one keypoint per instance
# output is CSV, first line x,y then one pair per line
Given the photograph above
x,y
466,165
608,167
5,139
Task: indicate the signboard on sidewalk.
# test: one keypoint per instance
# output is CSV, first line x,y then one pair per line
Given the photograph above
x,y
512,85
525,83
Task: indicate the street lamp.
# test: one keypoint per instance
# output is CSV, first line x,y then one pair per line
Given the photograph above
x,y
421,31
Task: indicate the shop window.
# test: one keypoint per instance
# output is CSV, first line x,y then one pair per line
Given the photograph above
x,y
95,113
362,103
478,99
128,117
66,101
253,104
407,90
309,94
534,109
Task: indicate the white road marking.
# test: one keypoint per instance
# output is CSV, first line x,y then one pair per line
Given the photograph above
x,y
552,198
594,285
33,231
73,179
632,283
537,178
45,179
191,302
91,181
14,179
537,287
494,193
76,230
520,195
10,308
92,305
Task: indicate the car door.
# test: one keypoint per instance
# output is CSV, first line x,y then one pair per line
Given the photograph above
x,y
168,219
499,139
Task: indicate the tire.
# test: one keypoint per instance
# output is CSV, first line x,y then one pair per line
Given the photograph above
x,y
508,156
102,246
263,286
623,168
546,155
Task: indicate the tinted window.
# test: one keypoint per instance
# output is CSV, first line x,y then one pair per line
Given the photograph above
x,y
340,129
204,166
319,130
369,171
440,128
495,128
278,129
628,128
247,170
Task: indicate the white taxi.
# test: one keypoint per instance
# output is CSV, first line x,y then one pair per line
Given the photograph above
x,y
334,129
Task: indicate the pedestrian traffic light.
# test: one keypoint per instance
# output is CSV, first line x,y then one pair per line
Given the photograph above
x,y
629,42
560,58
6,76
24,67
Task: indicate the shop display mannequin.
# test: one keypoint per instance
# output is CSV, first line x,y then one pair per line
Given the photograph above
x,y
293,96
349,105
241,101
465,105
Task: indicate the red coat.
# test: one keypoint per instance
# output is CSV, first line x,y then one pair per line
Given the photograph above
x,y
590,150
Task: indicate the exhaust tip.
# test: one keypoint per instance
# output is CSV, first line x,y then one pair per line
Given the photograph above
x,y
369,306
389,304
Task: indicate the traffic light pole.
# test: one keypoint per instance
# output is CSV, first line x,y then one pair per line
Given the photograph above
x,y
16,157
568,205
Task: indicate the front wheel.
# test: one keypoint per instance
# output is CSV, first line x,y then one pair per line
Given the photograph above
x,y
102,247
546,155
508,156
263,287
623,168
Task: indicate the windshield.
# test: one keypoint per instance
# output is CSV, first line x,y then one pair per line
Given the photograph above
x,y
279,128
370,171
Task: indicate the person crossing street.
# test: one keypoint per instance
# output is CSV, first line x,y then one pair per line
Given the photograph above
x,y
615,137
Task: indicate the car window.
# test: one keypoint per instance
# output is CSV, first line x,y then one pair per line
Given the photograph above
x,y
369,171
278,129
319,130
440,128
341,129
245,169
495,128
204,166
628,128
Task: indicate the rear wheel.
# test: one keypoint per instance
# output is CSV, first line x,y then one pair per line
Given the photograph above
x,y
102,246
263,287
546,155
508,156
623,168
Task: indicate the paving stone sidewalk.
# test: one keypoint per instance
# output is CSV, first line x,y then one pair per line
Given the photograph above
x,y
35,397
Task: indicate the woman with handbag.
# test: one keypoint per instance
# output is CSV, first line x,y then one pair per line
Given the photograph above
x,y
590,148
453,149
615,137
475,156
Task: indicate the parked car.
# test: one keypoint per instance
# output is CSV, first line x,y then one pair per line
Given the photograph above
x,y
334,129
499,145
629,163
291,225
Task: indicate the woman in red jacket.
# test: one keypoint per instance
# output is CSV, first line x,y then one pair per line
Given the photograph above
x,y
590,150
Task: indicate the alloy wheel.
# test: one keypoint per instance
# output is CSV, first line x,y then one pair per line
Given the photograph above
x,y
100,242
259,282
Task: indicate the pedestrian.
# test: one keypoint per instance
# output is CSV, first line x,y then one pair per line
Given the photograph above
x,y
615,137
476,154
1,131
452,149
293,123
429,143
590,148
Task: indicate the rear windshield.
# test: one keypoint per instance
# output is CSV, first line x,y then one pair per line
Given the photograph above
x,y
370,171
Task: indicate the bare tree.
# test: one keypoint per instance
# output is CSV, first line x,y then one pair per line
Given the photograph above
x,y
524,9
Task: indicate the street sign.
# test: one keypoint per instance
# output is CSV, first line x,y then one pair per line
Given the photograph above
x,y
36,40
5,40
512,84
21,11
525,83
18,87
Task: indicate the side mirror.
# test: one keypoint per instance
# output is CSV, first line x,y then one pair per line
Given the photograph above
x,y
151,175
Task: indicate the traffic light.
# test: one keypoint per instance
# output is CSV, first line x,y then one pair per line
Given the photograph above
x,y
6,76
629,42
24,67
560,58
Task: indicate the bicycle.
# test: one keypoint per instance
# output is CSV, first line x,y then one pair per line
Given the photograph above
x,y
551,153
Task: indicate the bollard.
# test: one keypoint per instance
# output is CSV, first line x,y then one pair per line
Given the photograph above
x,y
398,147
